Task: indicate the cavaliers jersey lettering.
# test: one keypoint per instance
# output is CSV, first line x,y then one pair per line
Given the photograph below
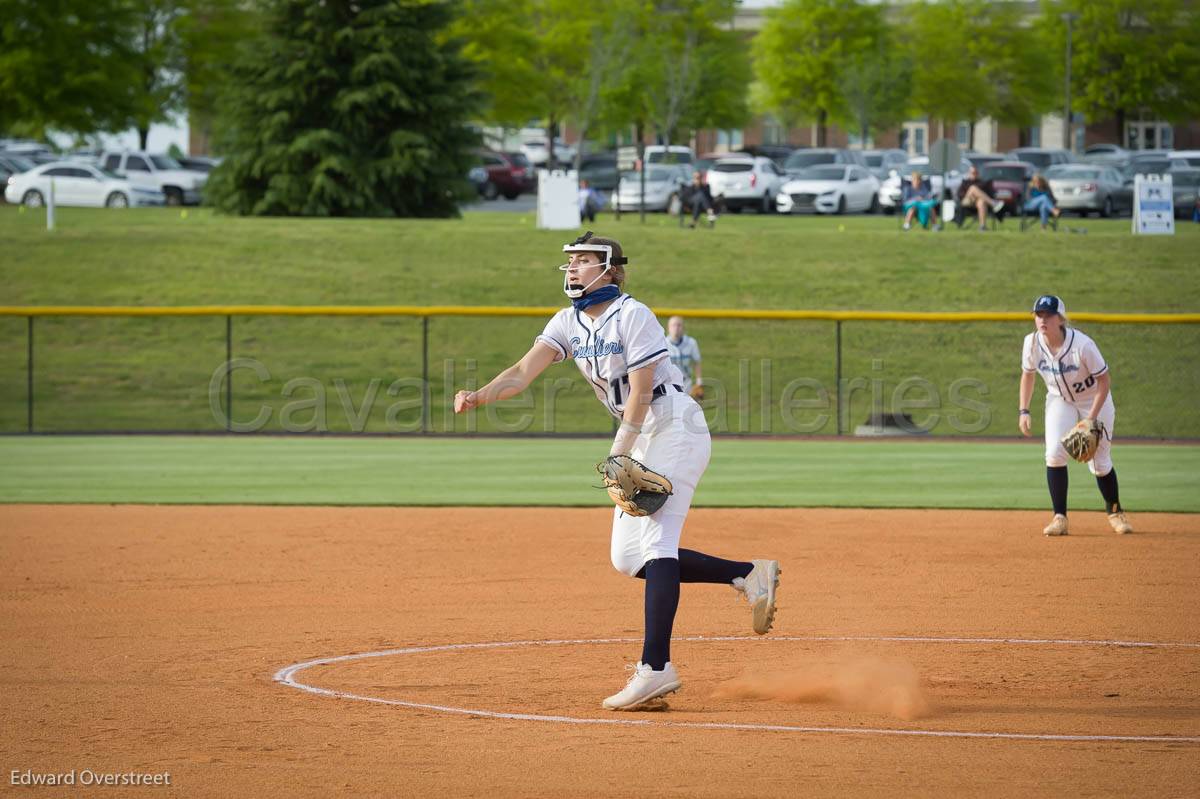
x,y
627,336
1071,371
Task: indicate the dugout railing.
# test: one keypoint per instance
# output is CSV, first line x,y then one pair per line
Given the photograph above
x,y
849,352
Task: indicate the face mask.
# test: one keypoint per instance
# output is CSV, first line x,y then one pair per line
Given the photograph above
x,y
576,292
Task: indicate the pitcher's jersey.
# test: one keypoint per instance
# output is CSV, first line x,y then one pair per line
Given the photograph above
x,y
625,337
1069,373
685,355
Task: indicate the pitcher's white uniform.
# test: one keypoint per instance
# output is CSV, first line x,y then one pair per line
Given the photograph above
x,y
685,355
674,439
1070,376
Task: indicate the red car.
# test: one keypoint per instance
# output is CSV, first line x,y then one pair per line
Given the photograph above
x,y
499,173
1009,179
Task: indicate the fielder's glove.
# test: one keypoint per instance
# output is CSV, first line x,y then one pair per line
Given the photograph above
x,y
636,489
1083,439
697,393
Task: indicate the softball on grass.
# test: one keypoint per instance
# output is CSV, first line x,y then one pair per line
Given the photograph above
x,y
841,228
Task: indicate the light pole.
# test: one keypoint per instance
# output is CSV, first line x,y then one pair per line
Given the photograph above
x,y
1068,18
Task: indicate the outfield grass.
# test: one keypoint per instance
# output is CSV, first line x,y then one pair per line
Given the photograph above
x,y
461,471
154,374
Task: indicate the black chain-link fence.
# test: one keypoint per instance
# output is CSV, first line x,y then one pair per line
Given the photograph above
x,y
398,374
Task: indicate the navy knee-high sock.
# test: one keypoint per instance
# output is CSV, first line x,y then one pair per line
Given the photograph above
x,y
696,567
1108,488
1056,479
662,600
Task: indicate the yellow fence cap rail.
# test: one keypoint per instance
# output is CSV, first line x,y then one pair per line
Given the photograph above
x,y
541,312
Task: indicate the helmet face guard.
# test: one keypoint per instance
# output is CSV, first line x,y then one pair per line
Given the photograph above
x,y
581,245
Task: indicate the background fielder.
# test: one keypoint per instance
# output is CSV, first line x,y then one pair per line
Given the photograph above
x,y
685,354
619,346
1077,387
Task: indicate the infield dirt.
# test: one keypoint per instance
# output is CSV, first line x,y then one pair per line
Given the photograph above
x,y
145,638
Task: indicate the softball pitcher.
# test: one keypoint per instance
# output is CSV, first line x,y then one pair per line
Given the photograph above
x,y
1077,387
619,346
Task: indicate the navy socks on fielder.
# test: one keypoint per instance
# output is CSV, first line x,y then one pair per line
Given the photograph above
x,y
1056,479
1108,488
662,600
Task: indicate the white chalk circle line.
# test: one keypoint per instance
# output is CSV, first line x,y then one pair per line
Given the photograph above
x,y
287,676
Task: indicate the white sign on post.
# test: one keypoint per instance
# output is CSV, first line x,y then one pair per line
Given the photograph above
x,y
558,200
1153,205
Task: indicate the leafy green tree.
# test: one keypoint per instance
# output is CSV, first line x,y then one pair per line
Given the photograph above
x,y
974,59
876,85
347,109
801,53
155,41
65,65
1130,56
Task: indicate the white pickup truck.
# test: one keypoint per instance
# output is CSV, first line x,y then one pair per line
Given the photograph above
x,y
179,186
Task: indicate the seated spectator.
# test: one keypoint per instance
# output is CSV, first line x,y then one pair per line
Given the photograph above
x,y
917,198
700,198
977,194
1041,199
590,201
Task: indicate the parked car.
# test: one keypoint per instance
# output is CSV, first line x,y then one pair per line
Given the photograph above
x,y
537,154
509,174
979,160
882,162
745,181
1107,154
802,159
1191,156
158,172
1152,165
1084,188
600,171
1185,186
829,189
77,184
1041,157
776,152
1009,179
890,191
198,163
33,151
664,185
673,154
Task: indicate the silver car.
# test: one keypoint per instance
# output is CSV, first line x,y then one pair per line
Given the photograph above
x,y
1084,188
664,183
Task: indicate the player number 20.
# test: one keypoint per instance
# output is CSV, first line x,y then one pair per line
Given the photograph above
x,y
1085,385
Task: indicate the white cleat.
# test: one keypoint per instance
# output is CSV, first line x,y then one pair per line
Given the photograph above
x,y
1058,526
645,686
759,586
1120,523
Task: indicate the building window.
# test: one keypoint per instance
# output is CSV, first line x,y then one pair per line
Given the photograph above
x,y
962,134
1149,135
1035,136
773,132
729,139
913,136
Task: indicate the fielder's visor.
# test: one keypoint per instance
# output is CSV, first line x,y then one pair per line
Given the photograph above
x,y
1051,304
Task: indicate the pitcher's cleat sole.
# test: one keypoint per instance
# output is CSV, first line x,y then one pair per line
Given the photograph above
x,y
657,702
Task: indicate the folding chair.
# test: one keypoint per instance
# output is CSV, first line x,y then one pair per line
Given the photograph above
x,y
1031,218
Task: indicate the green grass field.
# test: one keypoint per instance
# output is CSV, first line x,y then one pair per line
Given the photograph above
x,y
155,374
490,471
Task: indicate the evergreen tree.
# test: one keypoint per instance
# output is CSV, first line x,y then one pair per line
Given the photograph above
x,y
347,108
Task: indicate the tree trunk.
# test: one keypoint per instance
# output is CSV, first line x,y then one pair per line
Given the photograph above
x,y
1121,140
822,121
971,135
550,142
143,136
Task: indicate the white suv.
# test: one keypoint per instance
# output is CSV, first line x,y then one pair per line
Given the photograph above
x,y
746,182
178,185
